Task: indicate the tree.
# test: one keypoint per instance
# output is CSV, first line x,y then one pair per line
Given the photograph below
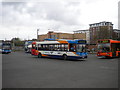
x,y
104,33
17,42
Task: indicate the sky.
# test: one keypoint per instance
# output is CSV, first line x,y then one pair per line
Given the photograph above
x,y
22,18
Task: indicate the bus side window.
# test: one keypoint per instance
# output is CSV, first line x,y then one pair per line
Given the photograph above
x,y
66,47
47,47
55,48
39,47
118,47
59,47
62,47
50,47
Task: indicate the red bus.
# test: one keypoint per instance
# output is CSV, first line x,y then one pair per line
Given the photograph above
x,y
108,48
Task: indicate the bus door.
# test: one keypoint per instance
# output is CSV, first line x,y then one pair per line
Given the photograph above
x,y
113,48
72,47
118,49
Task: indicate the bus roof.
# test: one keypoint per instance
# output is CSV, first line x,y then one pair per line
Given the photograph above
x,y
61,41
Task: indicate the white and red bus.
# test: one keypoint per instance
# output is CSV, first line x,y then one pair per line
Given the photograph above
x,y
65,49
108,48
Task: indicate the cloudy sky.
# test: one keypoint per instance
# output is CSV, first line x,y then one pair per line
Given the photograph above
x,y
23,18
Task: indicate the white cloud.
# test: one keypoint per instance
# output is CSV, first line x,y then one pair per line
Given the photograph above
x,y
99,11
65,15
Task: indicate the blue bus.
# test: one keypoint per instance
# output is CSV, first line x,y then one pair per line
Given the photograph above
x,y
5,47
65,49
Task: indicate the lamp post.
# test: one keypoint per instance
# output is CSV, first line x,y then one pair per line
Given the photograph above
x,y
37,33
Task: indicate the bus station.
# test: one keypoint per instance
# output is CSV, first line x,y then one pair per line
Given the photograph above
x,y
62,64
59,44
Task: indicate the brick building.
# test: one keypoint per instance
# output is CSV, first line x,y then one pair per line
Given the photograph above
x,y
86,32
59,35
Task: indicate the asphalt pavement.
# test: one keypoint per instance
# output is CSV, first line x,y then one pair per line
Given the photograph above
x,y
22,70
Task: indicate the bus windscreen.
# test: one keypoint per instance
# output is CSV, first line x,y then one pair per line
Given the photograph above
x,y
104,47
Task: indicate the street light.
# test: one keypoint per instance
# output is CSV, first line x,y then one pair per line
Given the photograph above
x,y
37,33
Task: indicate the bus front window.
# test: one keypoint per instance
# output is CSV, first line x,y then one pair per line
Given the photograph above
x,y
6,46
104,47
81,48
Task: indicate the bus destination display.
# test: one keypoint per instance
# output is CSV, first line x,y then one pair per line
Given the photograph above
x,y
104,41
82,41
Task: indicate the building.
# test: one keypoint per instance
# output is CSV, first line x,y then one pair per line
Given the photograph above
x,y
76,33
119,15
101,30
116,34
59,35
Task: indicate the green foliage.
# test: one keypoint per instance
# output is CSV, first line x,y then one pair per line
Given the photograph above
x,y
104,33
17,42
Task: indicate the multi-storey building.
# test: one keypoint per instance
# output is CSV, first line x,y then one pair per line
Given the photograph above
x,y
59,35
116,34
101,30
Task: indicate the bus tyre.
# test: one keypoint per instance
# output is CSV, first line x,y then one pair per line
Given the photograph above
x,y
39,55
64,57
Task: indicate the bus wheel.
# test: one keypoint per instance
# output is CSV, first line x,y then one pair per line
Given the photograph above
x,y
39,55
64,57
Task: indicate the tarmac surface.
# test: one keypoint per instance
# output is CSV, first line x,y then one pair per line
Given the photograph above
x,y
22,70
